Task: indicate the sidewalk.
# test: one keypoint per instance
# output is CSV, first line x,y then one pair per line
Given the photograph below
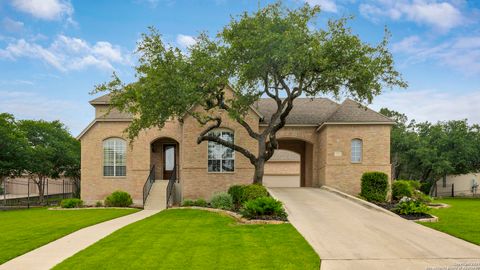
x,y
49,255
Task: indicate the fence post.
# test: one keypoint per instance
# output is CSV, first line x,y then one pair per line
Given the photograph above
x,y
28,193
453,190
436,190
47,192
63,188
5,193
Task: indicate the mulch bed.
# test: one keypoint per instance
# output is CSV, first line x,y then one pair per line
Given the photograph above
x,y
390,205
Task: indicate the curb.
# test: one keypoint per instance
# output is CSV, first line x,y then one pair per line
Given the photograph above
x,y
358,201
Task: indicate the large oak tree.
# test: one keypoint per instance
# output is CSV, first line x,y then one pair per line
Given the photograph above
x,y
274,52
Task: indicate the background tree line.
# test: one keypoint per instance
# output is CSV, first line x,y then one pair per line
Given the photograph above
x,y
427,152
39,149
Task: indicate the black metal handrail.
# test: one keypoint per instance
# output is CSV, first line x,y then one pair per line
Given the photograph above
x,y
148,184
171,184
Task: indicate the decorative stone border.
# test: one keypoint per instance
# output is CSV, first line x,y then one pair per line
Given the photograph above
x,y
438,205
87,208
432,219
236,216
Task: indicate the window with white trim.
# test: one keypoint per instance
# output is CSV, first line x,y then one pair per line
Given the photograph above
x,y
114,157
356,149
221,158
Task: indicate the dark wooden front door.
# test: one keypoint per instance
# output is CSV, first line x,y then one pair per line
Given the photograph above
x,y
169,160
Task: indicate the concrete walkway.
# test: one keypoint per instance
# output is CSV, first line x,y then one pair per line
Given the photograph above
x,y
51,254
348,235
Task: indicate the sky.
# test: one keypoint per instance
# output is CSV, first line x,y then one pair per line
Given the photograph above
x,y
53,52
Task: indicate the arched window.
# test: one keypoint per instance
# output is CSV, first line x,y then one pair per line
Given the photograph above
x,y
356,150
221,158
114,157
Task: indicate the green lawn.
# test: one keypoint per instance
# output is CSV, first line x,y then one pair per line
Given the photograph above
x,y
25,230
462,219
196,239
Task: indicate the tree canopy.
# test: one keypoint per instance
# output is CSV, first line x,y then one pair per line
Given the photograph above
x,y
274,52
12,147
427,151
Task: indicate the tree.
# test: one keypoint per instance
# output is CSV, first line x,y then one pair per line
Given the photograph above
x,y
274,52
51,151
12,147
427,151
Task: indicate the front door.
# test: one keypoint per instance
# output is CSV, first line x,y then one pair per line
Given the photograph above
x,y
168,160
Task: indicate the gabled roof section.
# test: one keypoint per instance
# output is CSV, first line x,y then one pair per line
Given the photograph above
x,y
306,111
351,111
102,100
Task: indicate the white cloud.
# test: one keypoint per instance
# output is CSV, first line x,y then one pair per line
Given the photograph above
x,y
12,26
325,5
433,106
462,53
29,105
441,15
185,41
45,9
68,53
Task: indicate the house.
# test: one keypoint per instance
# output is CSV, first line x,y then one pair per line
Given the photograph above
x,y
463,185
336,144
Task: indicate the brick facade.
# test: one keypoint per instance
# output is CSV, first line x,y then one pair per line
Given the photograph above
x,y
325,156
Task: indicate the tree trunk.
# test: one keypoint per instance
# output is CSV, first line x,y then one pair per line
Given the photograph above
x,y
41,186
259,171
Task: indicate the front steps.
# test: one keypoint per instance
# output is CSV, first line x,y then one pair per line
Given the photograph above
x,y
156,199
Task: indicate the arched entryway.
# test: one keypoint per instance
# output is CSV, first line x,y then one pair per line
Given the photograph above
x,y
164,155
305,150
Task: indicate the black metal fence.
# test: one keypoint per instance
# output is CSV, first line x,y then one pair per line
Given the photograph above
x,y
24,193
452,191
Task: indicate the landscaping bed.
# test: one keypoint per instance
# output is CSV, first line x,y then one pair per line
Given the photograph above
x,y
251,202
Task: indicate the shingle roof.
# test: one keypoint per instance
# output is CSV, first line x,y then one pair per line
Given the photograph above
x,y
306,111
351,111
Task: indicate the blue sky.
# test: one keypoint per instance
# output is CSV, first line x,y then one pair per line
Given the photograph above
x,y
53,52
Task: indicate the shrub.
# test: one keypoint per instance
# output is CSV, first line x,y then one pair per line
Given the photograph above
x,y
71,203
374,186
237,191
200,202
251,192
222,200
264,207
415,184
401,188
188,203
421,197
408,206
99,204
118,199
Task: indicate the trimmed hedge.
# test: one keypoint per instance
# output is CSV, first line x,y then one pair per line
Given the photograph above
x,y
263,207
253,191
401,188
118,199
236,191
198,202
71,203
374,186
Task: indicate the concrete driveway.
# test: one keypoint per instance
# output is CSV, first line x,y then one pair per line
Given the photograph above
x,y
348,235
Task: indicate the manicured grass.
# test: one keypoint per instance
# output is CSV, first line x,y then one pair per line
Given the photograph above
x,y
462,219
25,230
196,239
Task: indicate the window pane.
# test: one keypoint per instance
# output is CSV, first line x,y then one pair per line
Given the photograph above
x,y
356,149
214,165
108,170
169,158
227,165
120,170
